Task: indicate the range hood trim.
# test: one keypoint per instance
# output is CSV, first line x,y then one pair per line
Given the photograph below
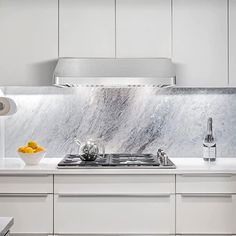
x,y
104,72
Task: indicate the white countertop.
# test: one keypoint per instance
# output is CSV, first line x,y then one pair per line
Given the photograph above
x,y
184,166
5,225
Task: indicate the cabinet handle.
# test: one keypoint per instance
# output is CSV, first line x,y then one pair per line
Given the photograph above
x,y
24,175
223,195
207,175
112,195
23,195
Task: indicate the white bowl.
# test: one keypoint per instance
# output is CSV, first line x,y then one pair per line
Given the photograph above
x,y
32,158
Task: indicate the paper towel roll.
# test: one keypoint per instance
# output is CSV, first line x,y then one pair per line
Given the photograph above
x,y
7,106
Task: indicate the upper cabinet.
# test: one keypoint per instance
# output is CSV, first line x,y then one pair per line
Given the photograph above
x,y
28,41
86,28
199,35
200,42
232,42
143,28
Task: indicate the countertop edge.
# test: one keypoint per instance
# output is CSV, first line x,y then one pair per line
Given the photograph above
x,y
7,224
11,166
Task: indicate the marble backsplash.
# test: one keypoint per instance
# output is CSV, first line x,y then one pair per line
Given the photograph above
x,y
127,120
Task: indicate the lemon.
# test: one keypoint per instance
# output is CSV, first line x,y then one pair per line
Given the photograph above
x,y
21,149
39,149
33,144
29,150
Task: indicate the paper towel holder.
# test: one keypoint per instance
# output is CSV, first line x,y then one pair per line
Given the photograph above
x,y
2,106
8,106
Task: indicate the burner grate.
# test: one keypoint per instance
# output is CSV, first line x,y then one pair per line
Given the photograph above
x,y
120,160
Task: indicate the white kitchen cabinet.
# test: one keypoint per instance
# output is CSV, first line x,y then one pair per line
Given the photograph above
x,y
232,42
86,28
200,42
33,213
206,183
28,42
205,213
143,28
114,184
114,214
20,183
114,204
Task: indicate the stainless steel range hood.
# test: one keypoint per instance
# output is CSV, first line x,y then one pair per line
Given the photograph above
x,y
110,72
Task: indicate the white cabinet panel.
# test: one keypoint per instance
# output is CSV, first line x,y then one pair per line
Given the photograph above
x,y
32,213
26,183
210,183
232,42
200,42
205,214
28,42
143,28
87,28
114,184
114,214
204,235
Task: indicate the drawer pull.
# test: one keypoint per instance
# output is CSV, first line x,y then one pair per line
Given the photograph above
x,y
112,195
207,175
222,195
23,195
24,175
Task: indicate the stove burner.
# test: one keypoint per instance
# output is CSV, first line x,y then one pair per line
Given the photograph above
x,y
122,160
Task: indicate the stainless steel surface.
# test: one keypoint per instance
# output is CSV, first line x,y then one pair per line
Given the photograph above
x,y
120,160
24,175
208,175
223,195
90,150
23,195
110,72
112,195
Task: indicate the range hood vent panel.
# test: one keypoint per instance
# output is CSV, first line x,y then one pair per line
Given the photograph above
x,y
73,72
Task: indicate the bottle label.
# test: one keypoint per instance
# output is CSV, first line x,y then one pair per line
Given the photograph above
x,y
209,152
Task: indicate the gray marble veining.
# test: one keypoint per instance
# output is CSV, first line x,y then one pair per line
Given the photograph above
x,y
127,120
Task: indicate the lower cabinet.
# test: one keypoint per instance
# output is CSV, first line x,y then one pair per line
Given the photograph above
x,y
114,214
33,213
206,213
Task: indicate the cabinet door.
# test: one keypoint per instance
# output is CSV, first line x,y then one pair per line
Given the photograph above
x,y
143,28
114,214
232,42
87,28
32,213
28,41
200,42
205,214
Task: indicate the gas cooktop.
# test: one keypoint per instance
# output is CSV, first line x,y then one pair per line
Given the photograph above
x,y
120,160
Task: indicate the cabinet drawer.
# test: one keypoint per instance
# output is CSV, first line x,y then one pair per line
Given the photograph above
x,y
32,213
114,183
205,213
26,183
216,183
101,214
